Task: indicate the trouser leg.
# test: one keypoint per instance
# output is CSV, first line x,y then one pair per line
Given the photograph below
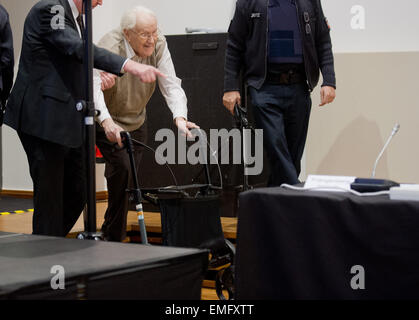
x,y
58,177
75,187
119,177
296,126
283,113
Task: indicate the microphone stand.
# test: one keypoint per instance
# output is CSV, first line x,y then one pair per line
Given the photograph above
x,y
90,232
395,130
136,192
372,184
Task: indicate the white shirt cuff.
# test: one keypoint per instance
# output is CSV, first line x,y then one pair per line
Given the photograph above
x,y
123,66
104,114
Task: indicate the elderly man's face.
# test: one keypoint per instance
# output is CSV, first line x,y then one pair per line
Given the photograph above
x,y
143,37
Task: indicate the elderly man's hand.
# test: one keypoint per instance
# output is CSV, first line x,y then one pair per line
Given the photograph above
x,y
112,131
327,95
108,80
143,72
183,125
230,99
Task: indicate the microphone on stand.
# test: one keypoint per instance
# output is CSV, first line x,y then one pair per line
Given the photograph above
x,y
372,184
393,133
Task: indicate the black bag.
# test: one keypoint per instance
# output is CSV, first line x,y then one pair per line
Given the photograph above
x,y
191,221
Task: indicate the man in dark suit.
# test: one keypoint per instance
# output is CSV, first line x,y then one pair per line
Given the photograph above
x,y
7,60
42,109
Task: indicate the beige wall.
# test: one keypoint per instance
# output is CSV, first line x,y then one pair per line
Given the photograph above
x,y
15,164
375,90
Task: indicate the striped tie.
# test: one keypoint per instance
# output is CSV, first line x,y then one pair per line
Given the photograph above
x,y
81,25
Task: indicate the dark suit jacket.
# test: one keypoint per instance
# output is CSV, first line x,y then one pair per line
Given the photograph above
x,y
50,79
7,60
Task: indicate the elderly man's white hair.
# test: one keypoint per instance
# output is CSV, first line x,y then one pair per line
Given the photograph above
x,y
129,19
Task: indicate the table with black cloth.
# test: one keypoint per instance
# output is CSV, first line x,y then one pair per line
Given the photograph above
x,y
97,270
295,244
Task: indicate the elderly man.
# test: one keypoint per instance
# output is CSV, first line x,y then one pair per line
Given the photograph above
x,y
42,108
123,107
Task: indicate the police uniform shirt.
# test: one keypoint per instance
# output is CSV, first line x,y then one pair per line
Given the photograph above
x,y
285,43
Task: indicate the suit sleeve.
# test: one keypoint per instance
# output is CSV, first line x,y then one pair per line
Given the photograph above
x,y
6,57
66,40
324,49
236,46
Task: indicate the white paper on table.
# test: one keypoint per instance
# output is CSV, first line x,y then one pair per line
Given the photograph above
x,y
405,192
329,183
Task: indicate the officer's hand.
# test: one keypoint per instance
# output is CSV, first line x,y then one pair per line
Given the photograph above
x,y
112,131
230,99
108,80
327,95
183,125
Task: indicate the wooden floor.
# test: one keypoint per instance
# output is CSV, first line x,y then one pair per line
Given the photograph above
x,y
153,224
22,223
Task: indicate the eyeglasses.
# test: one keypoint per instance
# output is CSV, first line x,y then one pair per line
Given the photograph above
x,y
146,36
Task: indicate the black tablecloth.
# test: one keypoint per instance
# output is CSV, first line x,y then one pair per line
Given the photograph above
x,y
105,270
303,245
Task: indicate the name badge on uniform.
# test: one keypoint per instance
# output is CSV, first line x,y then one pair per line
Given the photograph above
x,y
255,15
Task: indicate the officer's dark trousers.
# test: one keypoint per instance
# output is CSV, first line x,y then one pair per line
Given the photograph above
x,y
119,178
283,112
59,184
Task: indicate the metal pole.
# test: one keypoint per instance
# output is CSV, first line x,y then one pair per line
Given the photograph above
x,y
90,211
136,192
